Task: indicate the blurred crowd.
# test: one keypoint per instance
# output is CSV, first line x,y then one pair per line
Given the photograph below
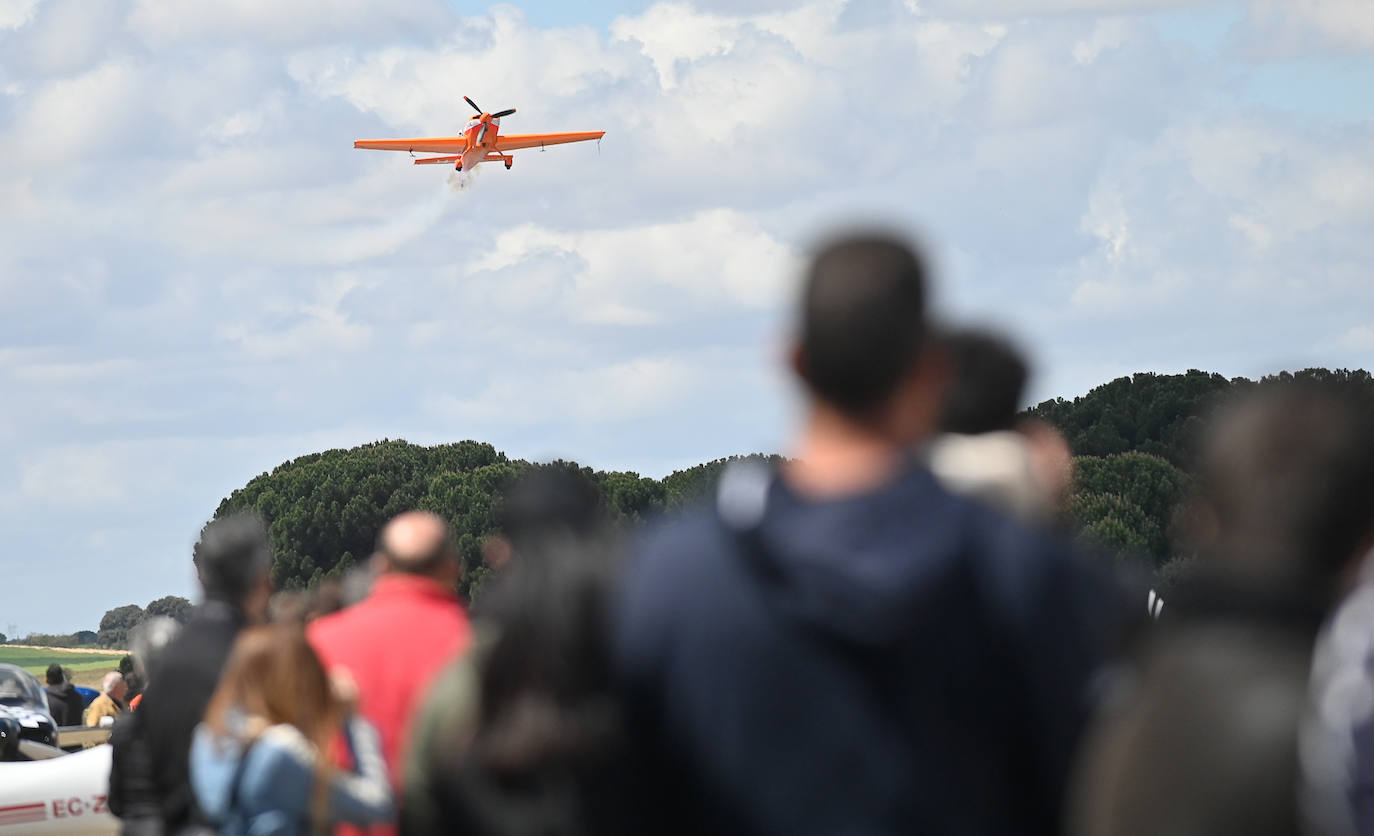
x,y
887,632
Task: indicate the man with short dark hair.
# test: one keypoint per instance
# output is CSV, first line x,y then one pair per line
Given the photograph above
x,y
64,703
150,776
397,639
985,450
841,646
988,379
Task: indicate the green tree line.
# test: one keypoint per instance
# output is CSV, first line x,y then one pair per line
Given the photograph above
x,y
1133,439
324,510
114,625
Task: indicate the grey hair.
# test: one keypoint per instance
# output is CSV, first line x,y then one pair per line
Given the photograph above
x,y
111,680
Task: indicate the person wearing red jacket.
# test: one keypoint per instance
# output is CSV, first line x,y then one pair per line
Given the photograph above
x,y
396,640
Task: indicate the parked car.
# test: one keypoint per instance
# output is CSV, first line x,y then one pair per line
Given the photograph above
x,y
88,695
23,712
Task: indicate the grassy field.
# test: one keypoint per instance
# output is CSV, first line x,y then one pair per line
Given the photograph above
x,y
87,666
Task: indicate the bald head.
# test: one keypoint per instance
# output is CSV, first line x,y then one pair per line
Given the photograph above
x,y
113,684
417,543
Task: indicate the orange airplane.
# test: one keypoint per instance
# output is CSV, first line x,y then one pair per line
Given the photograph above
x,y
480,142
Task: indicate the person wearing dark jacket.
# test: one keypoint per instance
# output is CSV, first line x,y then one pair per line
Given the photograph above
x,y
232,560
64,703
1218,730
841,645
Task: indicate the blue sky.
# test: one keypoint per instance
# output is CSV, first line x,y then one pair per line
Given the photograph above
x,y
200,278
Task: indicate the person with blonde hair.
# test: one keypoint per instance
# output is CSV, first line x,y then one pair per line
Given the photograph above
x,y
261,761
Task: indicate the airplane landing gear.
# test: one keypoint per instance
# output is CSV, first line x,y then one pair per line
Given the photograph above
x,y
508,166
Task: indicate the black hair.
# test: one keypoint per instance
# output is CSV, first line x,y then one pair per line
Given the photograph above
x,y
1288,472
862,320
549,501
988,381
232,556
55,674
1205,742
549,743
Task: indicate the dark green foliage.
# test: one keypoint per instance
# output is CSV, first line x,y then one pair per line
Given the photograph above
x,y
1163,414
684,487
172,606
1112,523
1175,574
121,617
324,510
80,638
1135,439
116,624
631,497
1127,500
1148,481
1146,413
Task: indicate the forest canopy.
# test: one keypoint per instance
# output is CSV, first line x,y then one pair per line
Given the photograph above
x,y
324,510
1132,438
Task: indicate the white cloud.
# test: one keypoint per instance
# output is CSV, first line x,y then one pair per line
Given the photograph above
x,y
1359,338
1256,210
1306,25
165,22
413,86
16,13
71,117
1026,8
669,33
638,275
68,37
72,371
79,475
1107,34
618,392
296,332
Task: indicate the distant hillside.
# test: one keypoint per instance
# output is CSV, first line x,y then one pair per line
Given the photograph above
x,y
324,509
1132,438
1161,414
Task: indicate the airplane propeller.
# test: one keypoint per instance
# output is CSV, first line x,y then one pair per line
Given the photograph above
x,y
486,118
483,113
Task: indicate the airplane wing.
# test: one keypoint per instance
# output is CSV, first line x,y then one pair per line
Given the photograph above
x,y
436,144
511,142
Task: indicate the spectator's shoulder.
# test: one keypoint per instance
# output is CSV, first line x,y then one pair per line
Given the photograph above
x,y
670,561
687,529
284,743
321,632
1033,576
671,547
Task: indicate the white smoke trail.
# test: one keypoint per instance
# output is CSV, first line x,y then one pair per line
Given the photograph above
x,y
461,181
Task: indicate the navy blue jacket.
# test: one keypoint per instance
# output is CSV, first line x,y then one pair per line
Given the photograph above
x,y
905,661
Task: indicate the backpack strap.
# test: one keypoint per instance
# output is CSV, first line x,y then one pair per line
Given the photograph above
x,y
237,781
